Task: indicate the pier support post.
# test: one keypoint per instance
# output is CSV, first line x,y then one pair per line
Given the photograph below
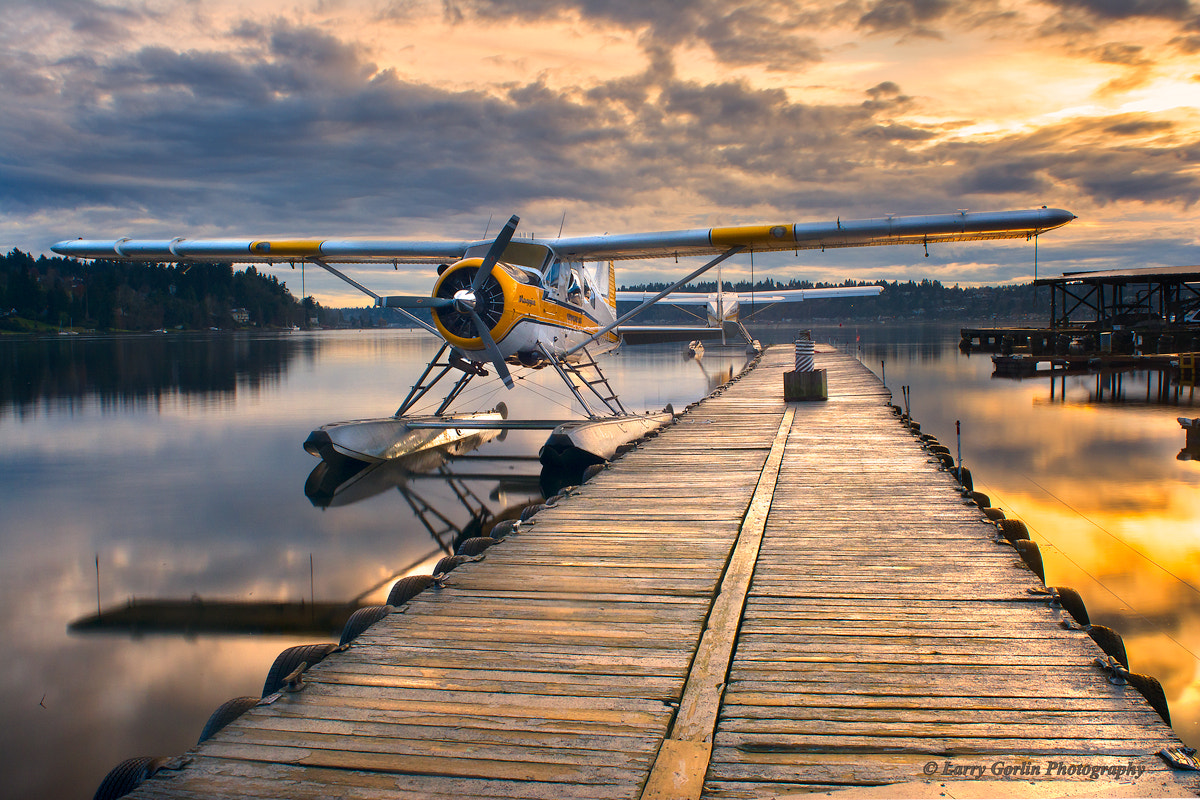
x,y
805,382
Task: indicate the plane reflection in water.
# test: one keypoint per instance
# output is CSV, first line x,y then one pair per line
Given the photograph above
x,y
338,483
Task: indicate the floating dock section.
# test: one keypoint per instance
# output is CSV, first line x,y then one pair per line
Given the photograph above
x,y
764,600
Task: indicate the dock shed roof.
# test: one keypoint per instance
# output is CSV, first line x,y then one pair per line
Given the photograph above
x,y
1139,275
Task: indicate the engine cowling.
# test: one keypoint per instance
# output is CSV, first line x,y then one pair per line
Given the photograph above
x,y
493,303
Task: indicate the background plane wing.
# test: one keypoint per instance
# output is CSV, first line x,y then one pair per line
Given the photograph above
x,y
769,296
962,226
796,295
675,298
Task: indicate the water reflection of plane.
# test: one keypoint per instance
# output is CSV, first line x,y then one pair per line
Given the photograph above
x,y
336,484
717,378
342,482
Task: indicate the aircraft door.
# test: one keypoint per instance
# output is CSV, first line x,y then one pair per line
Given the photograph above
x,y
575,289
557,277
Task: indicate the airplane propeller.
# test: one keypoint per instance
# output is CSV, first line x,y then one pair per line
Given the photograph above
x,y
465,301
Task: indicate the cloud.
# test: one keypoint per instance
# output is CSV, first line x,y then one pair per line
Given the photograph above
x,y
773,33
96,20
1128,55
912,16
1103,171
1126,9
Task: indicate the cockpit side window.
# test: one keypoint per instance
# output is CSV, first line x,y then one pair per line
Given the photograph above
x,y
575,289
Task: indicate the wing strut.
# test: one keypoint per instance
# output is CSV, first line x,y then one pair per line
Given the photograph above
x,y
378,300
647,303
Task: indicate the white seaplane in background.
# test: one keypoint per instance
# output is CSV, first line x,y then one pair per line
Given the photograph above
x,y
724,307
534,303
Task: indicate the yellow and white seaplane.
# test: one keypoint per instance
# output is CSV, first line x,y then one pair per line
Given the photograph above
x,y
534,303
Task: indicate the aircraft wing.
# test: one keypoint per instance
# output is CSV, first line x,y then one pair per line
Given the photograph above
x,y
771,296
674,299
259,251
796,295
961,226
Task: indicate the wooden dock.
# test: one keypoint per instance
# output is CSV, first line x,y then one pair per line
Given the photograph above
x,y
767,599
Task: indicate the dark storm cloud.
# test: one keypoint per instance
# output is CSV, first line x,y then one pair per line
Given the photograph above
x,y
1125,9
772,33
1105,170
905,16
97,20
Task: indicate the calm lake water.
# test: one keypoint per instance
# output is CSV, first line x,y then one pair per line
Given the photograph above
x,y
170,468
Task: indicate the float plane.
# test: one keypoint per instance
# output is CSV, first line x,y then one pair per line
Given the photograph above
x,y
723,307
533,303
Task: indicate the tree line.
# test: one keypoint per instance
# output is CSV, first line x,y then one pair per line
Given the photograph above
x,y
42,293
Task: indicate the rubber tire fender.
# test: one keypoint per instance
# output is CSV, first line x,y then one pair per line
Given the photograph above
x,y
1073,603
360,620
127,776
226,713
980,499
449,563
592,471
1012,529
475,545
503,528
287,661
965,480
1152,690
1110,642
406,589
1031,554
529,510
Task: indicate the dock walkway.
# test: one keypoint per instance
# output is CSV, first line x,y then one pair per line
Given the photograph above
x,y
765,599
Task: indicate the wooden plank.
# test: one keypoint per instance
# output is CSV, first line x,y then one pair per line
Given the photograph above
x,y
678,771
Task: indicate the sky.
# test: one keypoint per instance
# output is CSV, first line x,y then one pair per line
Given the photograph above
x,y
438,119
